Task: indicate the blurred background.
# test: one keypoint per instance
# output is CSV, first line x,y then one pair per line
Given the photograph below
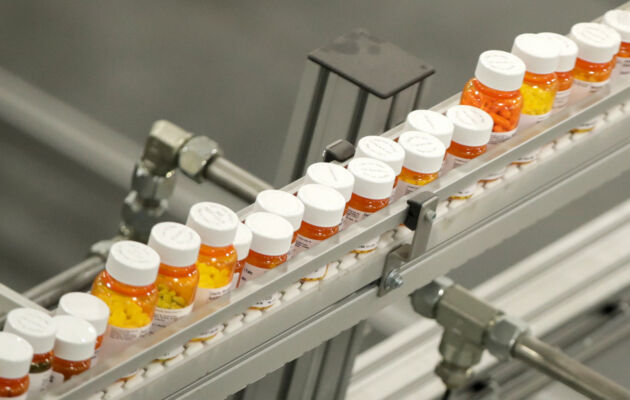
x,y
226,69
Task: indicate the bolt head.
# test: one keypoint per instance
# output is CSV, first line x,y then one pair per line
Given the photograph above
x,y
503,334
195,156
426,298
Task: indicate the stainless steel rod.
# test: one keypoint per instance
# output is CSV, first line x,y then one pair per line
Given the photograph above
x,y
47,293
554,363
235,179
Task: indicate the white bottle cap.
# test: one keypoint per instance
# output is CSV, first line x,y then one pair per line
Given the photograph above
x,y
423,152
473,126
33,325
75,339
323,206
331,175
539,55
597,43
132,263
619,20
373,179
215,223
176,244
281,203
500,70
271,234
431,122
382,149
567,50
87,307
242,241
16,355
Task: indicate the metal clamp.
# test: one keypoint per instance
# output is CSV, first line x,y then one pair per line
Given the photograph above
x,y
419,218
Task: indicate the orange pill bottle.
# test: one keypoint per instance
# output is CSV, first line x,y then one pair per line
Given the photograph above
x,y
90,308
177,280
431,122
373,182
15,360
423,160
75,340
619,20
271,242
127,286
283,204
597,46
323,211
495,89
382,149
216,225
242,241
331,175
37,328
473,127
567,54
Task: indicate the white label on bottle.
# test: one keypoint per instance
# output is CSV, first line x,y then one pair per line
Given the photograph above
x,y
55,379
303,243
562,99
404,188
251,272
20,397
465,193
528,158
353,216
622,67
204,295
500,137
528,120
207,335
165,316
128,334
495,175
172,354
581,88
38,382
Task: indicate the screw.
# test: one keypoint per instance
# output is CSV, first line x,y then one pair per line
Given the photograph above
x,y
393,280
430,215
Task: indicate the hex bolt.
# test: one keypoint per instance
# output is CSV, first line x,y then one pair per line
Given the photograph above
x,y
429,215
394,280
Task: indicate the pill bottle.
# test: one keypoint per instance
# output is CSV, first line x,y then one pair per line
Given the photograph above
x,y
495,89
271,242
597,46
282,204
216,225
75,340
15,360
177,280
323,211
423,159
540,83
242,241
382,149
619,20
37,328
373,181
127,286
473,127
567,53
90,308
333,176
431,122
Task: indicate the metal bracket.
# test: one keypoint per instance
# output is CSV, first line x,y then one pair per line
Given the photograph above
x,y
420,217
340,150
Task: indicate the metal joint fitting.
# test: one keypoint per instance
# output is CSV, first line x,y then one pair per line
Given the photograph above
x,y
425,299
162,147
101,248
196,155
502,335
149,186
138,217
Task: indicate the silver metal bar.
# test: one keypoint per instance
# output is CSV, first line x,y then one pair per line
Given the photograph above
x,y
75,278
553,362
10,299
235,179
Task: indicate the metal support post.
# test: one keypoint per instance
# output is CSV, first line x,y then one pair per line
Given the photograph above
x,y
356,86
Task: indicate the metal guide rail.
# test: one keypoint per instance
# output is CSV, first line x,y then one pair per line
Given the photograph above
x,y
255,343
592,264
